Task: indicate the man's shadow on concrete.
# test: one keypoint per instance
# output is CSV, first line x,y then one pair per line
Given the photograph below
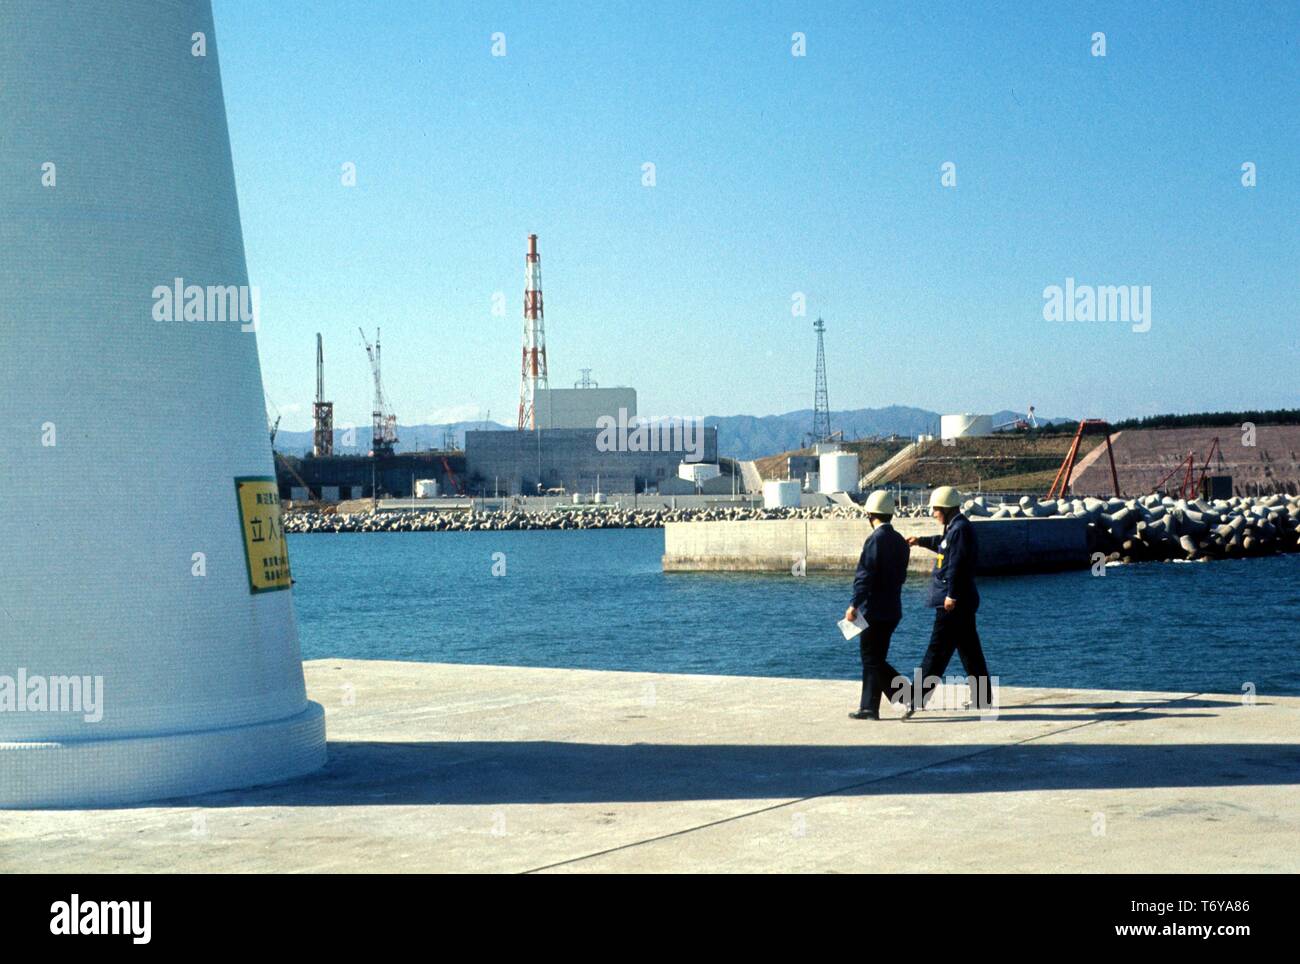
x,y
493,772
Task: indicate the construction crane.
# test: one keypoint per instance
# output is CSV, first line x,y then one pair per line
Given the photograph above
x,y
1066,470
1189,489
383,436
273,429
288,467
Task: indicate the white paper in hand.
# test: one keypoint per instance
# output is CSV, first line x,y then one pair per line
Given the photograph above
x,y
851,629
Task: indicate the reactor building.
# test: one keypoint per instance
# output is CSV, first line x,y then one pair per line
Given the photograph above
x,y
580,439
588,440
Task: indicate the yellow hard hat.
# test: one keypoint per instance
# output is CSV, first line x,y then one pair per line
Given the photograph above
x,y
880,502
945,497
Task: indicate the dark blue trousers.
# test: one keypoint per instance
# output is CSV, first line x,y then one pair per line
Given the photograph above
x,y
877,675
954,632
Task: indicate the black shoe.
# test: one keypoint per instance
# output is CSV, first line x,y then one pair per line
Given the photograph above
x,y
864,715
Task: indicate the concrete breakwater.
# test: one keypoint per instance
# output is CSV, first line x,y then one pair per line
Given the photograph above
x,y
1161,528
1027,545
585,518
1128,530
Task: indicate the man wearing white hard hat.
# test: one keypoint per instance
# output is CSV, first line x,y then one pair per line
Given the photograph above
x,y
954,598
877,592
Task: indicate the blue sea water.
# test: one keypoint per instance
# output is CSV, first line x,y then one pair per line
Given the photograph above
x,y
599,600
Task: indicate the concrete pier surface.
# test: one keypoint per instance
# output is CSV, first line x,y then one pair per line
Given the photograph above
x,y
439,767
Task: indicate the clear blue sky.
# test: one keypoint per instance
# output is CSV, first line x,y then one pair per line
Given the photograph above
x,y
775,175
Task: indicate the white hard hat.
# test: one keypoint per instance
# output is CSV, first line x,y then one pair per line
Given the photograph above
x,y
945,497
880,502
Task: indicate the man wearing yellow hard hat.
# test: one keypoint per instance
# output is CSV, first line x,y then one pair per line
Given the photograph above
x,y
954,598
877,591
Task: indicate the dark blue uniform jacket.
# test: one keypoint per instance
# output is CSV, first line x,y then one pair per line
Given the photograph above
x,y
882,568
954,570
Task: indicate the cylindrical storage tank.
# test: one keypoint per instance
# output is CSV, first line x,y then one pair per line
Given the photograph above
x,y
579,498
780,493
838,472
965,425
598,498
169,651
426,488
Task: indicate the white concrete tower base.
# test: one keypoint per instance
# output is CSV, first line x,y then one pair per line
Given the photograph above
x,y
103,773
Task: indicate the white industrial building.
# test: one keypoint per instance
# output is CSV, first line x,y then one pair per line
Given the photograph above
x,y
780,493
698,471
837,472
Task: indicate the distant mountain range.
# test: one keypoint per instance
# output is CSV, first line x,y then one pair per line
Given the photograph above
x,y
739,436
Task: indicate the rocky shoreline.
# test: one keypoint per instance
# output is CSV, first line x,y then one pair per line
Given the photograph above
x,y
1162,528
608,518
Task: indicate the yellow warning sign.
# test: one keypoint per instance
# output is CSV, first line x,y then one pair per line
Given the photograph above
x,y
265,548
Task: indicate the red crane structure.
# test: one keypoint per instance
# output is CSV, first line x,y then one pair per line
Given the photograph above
x,y
1063,474
1189,488
460,489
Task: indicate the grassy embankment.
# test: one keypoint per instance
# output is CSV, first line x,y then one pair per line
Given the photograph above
x,y
1003,463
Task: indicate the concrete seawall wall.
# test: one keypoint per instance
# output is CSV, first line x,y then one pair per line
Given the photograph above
x,y
833,545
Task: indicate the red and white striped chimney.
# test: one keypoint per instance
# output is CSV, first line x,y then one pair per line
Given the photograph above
x,y
533,368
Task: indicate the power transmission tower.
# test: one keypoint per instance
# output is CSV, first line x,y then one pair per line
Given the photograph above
x,y
821,402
